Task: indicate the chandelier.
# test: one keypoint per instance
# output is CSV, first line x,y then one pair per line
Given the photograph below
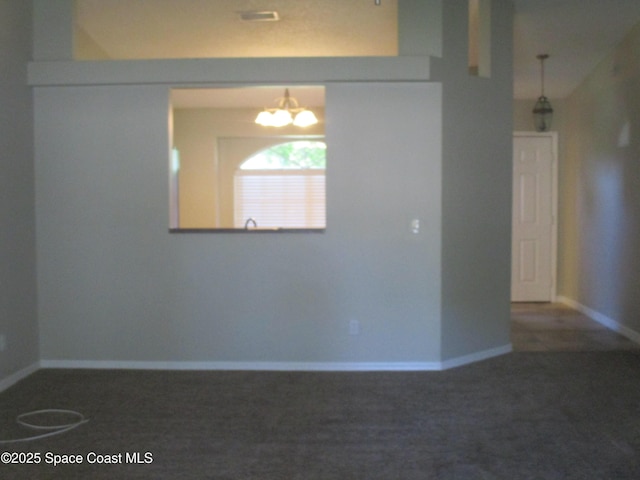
x,y
288,112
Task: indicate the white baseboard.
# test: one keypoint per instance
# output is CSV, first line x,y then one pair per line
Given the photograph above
x,y
600,318
279,366
254,366
19,375
475,357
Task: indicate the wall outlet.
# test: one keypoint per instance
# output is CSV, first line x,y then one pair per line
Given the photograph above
x,y
354,327
3,342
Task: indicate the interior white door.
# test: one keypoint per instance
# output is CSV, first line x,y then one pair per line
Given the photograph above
x,y
533,262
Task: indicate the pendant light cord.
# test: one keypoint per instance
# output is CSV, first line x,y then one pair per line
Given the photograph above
x,y
542,58
542,76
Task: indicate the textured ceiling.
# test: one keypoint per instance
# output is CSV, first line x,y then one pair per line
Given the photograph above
x,y
577,34
134,29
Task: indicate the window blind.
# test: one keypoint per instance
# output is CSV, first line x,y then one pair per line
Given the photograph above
x,y
280,198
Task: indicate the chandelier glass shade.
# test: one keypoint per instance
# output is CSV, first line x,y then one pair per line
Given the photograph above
x,y
288,112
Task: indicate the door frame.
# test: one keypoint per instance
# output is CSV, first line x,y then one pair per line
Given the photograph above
x,y
553,136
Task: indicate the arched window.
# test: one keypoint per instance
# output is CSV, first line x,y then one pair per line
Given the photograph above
x,y
282,186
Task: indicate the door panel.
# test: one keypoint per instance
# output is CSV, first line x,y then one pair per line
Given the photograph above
x,y
532,271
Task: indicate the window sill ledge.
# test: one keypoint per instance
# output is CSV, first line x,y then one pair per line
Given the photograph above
x,y
249,230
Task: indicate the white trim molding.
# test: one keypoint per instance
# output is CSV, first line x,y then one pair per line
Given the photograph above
x,y
601,318
246,366
209,71
475,357
17,376
279,366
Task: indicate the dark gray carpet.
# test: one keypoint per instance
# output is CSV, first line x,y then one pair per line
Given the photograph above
x,y
520,416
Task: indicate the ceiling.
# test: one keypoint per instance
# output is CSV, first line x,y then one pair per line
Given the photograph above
x,y
246,97
130,29
577,34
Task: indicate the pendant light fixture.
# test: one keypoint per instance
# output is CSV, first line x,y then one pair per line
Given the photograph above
x,y
542,111
287,112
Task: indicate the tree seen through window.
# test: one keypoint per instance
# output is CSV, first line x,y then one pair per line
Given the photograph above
x,y
299,154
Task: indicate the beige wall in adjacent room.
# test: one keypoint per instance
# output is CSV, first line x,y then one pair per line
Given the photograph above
x,y
206,164
600,189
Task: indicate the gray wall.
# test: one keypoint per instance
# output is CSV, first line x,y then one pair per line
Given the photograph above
x,y
476,187
600,189
115,285
17,237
